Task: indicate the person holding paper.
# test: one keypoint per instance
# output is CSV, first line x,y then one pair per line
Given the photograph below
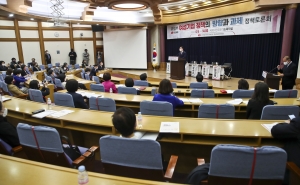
x,y
165,91
289,134
260,98
182,53
289,73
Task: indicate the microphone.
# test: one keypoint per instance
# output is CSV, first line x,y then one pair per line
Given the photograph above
x,y
272,69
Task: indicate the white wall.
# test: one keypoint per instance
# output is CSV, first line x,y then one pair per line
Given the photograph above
x,y
7,34
62,46
50,34
28,23
99,34
31,50
8,50
6,23
29,34
86,33
79,47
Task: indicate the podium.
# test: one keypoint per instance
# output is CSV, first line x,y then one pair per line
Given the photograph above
x,y
272,80
177,68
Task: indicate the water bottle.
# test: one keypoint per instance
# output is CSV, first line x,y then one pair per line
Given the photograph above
x,y
110,90
139,120
49,103
83,177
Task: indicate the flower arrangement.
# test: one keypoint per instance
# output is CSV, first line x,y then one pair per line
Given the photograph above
x,y
155,66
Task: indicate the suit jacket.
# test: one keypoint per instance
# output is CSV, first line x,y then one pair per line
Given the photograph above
x,y
3,68
93,72
100,68
289,74
182,55
78,100
48,58
13,65
254,108
24,73
15,91
35,68
8,133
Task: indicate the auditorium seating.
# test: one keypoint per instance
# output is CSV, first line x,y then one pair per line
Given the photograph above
x,y
174,85
198,85
204,93
157,108
36,95
96,79
58,84
87,77
141,83
97,87
222,111
63,99
275,112
127,90
242,93
286,94
102,104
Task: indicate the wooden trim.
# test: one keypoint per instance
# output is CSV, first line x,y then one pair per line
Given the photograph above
x,y
56,28
95,47
81,39
7,27
56,39
42,45
30,39
71,37
99,39
81,28
18,37
8,39
124,29
28,28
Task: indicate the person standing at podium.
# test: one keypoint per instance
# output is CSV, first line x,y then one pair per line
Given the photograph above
x,y
289,73
182,53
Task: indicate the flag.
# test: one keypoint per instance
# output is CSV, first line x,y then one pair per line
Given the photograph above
x,y
154,54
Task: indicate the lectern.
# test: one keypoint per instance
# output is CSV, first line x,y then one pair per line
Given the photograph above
x,y
177,68
272,80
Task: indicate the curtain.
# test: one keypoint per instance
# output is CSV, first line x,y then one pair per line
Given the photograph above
x,y
296,38
249,55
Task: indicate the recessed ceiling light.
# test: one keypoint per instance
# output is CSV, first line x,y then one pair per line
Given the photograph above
x,y
129,5
166,8
10,15
31,19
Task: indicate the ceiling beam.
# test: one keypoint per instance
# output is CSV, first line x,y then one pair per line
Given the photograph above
x,y
264,3
19,5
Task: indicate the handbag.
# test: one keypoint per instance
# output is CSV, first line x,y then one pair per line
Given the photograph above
x,y
71,150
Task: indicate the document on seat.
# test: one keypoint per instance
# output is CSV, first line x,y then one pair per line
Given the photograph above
x,y
61,113
169,127
195,100
235,101
44,114
4,98
269,126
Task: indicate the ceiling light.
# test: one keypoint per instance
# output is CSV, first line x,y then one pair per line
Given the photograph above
x,y
129,5
166,8
10,15
31,19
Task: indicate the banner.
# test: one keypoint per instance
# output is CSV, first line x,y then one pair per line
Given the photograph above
x,y
168,69
205,71
216,74
253,23
194,70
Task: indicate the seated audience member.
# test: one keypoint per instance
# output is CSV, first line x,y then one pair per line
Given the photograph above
x,y
199,77
124,120
34,84
51,74
32,62
19,80
108,84
57,70
87,71
101,66
13,63
3,67
72,87
165,91
94,71
84,64
9,72
143,77
129,82
243,84
24,73
260,98
64,68
14,90
62,78
19,64
289,133
8,132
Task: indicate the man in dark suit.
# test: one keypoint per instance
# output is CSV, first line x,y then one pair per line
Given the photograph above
x,y
94,71
289,73
47,57
72,87
73,57
182,53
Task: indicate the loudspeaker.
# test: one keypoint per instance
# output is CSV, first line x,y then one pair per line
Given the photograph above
x,y
97,28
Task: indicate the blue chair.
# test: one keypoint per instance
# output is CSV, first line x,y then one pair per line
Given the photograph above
x,y
82,75
43,144
28,72
57,64
36,95
58,84
102,104
286,94
275,112
50,66
222,111
5,89
97,87
5,148
158,108
42,67
234,163
203,93
1,78
96,79
153,91
63,99
76,66
198,85
70,66
174,85
49,79
87,77
242,93
141,83
134,158
127,90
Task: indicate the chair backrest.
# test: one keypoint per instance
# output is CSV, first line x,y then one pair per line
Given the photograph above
x,y
242,93
203,93
57,64
198,85
97,87
42,67
153,91
50,66
5,148
5,89
82,75
70,66
141,83
127,90
36,95
274,112
222,111
158,108
102,104
286,93
235,164
58,83
135,158
42,144
96,79
63,99
76,66
174,85
49,79
87,77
